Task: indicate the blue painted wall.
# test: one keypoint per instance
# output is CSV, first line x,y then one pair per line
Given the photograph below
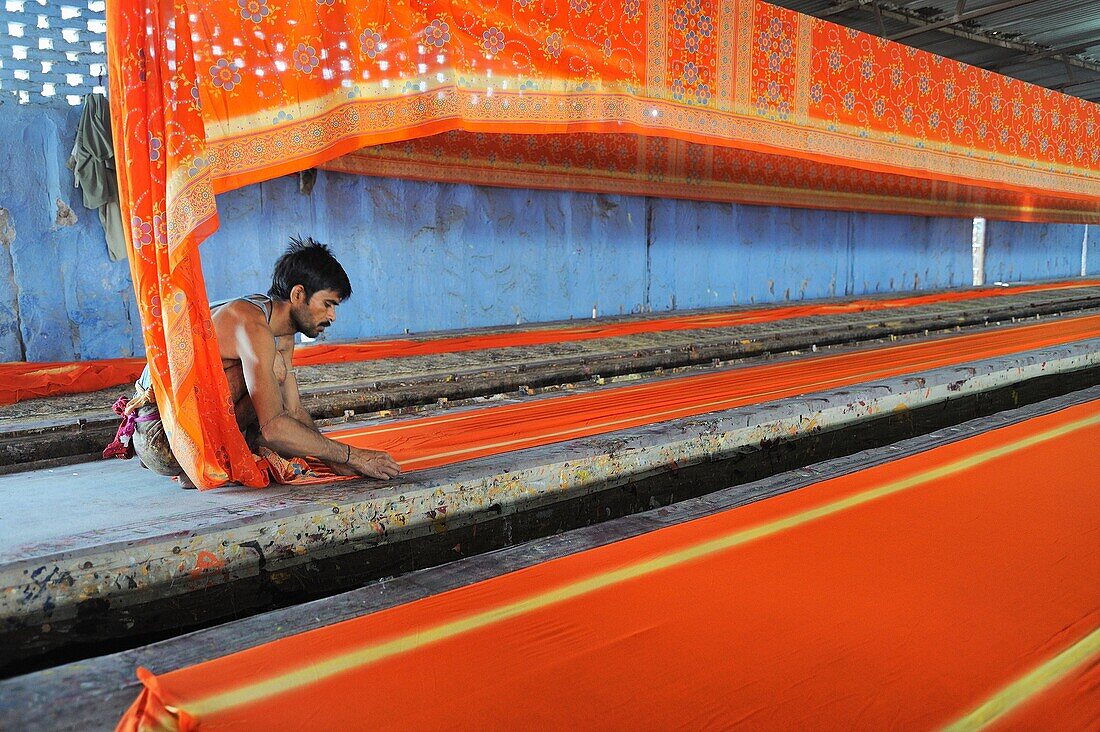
x,y
426,256
1092,246
1014,251
60,297
706,254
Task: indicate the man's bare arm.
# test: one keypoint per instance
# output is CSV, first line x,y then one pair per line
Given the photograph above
x,y
279,428
292,399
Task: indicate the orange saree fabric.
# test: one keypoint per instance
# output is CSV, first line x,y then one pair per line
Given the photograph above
x,y
929,592
206,97
736,74
648,166
24,380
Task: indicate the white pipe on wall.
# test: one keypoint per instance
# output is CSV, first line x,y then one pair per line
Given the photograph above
x,y
1085,252
977,249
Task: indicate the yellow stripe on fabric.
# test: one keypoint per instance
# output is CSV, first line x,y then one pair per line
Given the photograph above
x,y
342,663
1030,685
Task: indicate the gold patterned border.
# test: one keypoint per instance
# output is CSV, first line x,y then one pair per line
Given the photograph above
x,y
803,74
728,51
746,17
656,52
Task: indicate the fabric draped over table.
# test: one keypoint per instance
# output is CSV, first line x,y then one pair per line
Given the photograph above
x,y
207,97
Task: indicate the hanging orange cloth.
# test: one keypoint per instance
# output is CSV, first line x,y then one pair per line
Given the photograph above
x,y
208,97
928,591
167,208
635,165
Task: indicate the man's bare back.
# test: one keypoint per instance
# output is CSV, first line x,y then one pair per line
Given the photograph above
x,y
227,320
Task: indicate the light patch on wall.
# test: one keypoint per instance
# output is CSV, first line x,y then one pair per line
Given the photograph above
x,y
65,215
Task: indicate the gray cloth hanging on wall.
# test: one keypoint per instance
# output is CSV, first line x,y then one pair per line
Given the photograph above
x,y
93,165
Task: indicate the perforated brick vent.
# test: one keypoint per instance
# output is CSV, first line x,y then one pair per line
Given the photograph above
x,y
52,51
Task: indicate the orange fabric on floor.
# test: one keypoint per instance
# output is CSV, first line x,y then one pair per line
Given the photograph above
x,y
23,380
428,442
900,596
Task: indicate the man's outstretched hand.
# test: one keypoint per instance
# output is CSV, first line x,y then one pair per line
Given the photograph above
x,y
371,463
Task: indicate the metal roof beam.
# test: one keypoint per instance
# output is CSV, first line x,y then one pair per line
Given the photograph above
x,y
838,9
1072,84
924,26
977,37
1026,58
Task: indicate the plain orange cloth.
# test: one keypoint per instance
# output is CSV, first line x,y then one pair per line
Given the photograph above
x,y
23,380
910,595
451,437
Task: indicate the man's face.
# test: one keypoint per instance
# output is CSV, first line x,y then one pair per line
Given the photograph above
x,y
312,316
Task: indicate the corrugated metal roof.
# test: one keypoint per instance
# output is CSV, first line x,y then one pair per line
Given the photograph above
x,y
1051,43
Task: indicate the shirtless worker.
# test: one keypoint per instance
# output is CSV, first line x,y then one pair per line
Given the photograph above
x,y
256,341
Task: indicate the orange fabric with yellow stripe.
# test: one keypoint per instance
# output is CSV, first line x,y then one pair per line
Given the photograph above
x,y
957,586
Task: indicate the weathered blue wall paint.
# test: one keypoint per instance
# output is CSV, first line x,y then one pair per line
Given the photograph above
x,y
426,256
11,342
72,302
900,253
1092,242
707,254
712,254
1017,251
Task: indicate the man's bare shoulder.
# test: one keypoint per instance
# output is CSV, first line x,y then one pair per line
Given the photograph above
x,y
240,313
240,320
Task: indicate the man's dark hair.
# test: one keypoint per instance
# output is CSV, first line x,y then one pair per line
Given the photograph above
x,y
310,264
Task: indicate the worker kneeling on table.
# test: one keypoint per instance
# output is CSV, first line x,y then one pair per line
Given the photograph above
x,y
256,341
